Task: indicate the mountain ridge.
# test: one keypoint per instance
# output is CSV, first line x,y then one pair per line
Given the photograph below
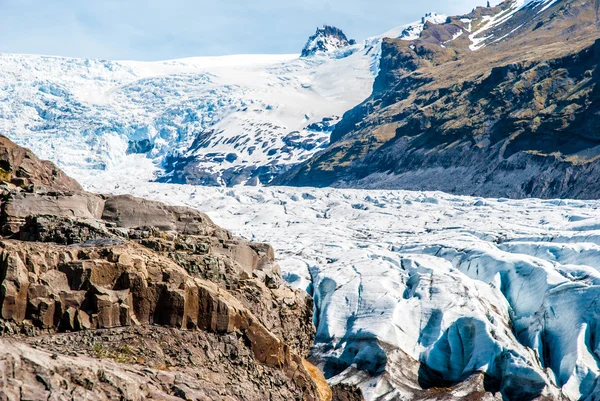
x,y
445,117
326,39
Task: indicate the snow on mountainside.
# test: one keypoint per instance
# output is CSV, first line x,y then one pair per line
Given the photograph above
x,y
414,31
219,121
424,290
238,119
481,37
212,120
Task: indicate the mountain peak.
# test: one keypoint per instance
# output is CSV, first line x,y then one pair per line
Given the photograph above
x,y
326,39
413,31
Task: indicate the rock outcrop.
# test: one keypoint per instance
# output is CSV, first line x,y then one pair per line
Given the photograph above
x,y
345,392
326,39
125,276
501,102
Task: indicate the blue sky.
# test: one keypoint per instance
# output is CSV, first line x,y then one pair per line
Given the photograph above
x,y
165,29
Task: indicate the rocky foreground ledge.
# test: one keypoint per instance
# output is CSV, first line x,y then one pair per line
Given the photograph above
x,y
115,297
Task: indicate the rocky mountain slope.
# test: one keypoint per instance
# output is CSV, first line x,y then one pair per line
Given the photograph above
x,y
116,297
498,102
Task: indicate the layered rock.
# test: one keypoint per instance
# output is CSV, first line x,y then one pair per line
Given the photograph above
x,y
72,261
500,102
434,296
136,363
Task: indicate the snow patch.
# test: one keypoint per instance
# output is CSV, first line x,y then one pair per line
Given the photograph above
x,y
489,22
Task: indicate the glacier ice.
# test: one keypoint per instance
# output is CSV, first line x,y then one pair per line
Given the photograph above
x,y
229,116
427,290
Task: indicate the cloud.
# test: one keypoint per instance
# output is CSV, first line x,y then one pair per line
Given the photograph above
x,y
164,29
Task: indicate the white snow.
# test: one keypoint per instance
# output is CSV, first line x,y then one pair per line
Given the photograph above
x,y
411,271
478,41
489,22
83,113
534,4
413,31
547,4
455,36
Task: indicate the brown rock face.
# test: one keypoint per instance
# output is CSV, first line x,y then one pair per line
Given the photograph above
x,y
344,392
21,167
516,118
129,212
71,261
139,363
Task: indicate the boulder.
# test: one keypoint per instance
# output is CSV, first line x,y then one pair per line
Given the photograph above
x,y
81,205
21,166
130,212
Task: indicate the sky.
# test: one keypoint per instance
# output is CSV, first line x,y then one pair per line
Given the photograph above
x,y
168,29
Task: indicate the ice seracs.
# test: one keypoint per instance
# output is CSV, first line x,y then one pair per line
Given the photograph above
x,y
425,290
211,120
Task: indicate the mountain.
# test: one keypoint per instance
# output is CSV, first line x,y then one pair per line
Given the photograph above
x,y
426,296
326,39
212,120
116,296
413,31
413,295
500,102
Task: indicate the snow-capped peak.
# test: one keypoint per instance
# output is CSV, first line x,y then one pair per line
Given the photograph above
x,y
434,18
326,39
413,31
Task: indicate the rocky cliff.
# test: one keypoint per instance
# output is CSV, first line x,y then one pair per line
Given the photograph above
x,y
500,102
326,39
115,297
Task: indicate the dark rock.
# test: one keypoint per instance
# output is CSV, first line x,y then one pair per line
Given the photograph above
x,y
345,392
143,146
231,157
326,39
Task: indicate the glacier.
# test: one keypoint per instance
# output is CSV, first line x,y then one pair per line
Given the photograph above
x,y
235,117
415,293
219,121
427,290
